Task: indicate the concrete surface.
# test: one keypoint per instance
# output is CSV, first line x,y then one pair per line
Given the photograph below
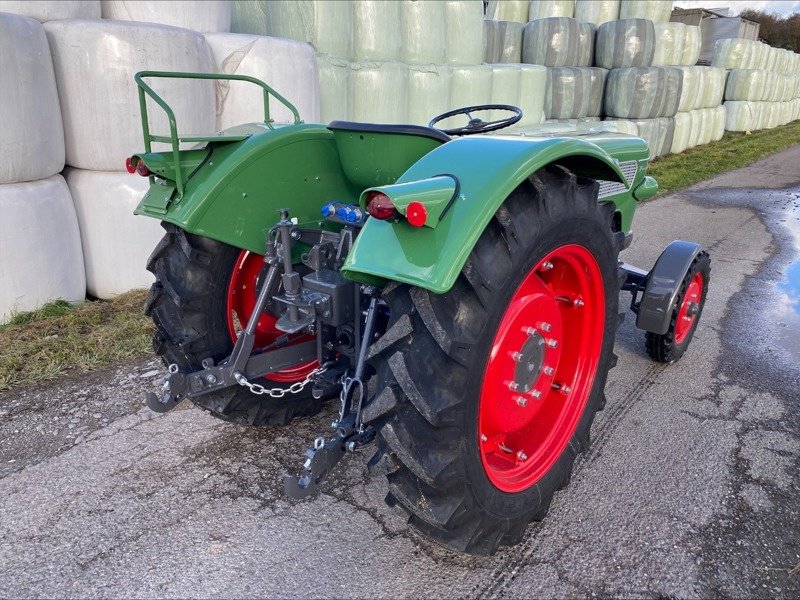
x,y
690,489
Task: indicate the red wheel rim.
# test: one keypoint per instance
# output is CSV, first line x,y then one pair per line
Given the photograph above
x,y
241,301
690,307
541,368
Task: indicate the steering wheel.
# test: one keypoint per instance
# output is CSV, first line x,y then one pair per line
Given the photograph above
x,y
475,124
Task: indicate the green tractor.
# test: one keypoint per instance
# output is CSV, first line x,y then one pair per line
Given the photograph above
x,y
458,293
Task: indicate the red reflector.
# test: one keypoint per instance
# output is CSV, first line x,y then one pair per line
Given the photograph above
x,y
416,214
142,169
129,165
379,206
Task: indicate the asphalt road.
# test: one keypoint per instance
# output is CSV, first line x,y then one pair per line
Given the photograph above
x,y
691,487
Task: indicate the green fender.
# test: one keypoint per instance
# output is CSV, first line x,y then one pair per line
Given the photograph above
x,y
488,169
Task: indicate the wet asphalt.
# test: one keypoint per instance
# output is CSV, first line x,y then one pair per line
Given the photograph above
x,y
691,487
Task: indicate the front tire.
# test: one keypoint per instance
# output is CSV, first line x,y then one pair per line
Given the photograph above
x,y
196,289
470,462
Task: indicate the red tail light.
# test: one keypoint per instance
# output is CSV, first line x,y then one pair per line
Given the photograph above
x,y
379,206
142,169
129,165
416,214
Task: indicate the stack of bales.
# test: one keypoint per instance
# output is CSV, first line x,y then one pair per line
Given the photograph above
x,y
763,86
40,244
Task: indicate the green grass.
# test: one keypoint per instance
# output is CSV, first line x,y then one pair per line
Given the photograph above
x,y
733,151
61,337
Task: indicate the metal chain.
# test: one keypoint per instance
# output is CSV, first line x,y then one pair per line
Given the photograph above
x,y
278,392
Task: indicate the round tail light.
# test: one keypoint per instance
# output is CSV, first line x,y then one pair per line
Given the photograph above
x,y
379,206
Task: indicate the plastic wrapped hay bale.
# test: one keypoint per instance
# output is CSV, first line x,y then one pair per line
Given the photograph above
x,y
643,92
491,41
287,66
505,88
596,11
618,126
718,126
741,115
328,25
586,36
378,92
680,137
746,84
658,134
692,43
658,11
574,92
712,86
334,75
94,62
509,41
32,140
471,86
47,10
532,84
691,94
552,42
628,43
508,10
377,34
40,246
542,9
115,257
423,29
206,17
463,33
249,16
732,54
669,44
428,92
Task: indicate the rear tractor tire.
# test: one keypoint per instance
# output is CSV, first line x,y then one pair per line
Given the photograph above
x,y
495,383
203,294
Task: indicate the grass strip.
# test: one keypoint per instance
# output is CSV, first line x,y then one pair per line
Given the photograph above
x,y
61,337
735,150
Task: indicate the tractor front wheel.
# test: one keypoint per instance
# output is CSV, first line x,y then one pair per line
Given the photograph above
x,y
496,383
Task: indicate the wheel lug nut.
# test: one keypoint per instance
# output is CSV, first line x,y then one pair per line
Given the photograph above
x,y
522,456
522,401
547,266
513,386
536,394
552,343
483,437
566,389
578,302
529,330
545,326
516,356
549,370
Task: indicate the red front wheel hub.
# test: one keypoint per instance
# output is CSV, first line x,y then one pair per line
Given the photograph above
x,y
541,368
241,300
689,309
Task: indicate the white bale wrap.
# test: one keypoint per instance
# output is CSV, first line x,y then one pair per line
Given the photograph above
x,y
718,126
742,115
328,25
40,246
692,43
587,33
734,54
552,42
574,92
428,92
115,256
334,75
206,17
658,11
423,29
508,41
617,126
505,88
532,84
377,34
658,134
378,92
491,42
288,66
48,10
691,94
471,86
628,43
596,11
94,63
463,32
747,84
541,9
249,16
683,129
712,87
508,10
32,140
643,92
669,44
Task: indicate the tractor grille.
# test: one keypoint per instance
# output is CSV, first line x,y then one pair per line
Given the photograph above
x,y
610,188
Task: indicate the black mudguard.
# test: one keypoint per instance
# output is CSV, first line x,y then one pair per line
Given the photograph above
x,y
663,284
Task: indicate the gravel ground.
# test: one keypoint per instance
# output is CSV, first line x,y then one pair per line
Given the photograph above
x,y
690,489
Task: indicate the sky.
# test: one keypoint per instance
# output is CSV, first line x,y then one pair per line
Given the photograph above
x,y
782,7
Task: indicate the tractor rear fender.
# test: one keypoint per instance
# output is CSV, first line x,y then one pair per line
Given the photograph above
x,y
663,284
485,171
